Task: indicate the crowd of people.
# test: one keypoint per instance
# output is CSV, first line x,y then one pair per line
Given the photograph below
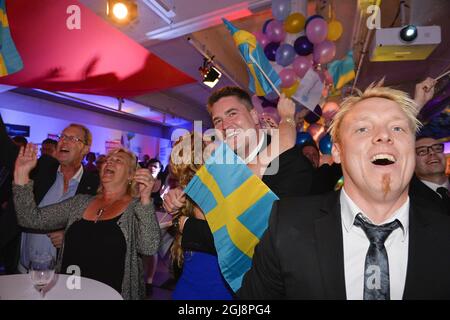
x,y
380,236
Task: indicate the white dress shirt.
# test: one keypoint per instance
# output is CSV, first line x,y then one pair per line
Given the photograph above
x,y
356,245
434,186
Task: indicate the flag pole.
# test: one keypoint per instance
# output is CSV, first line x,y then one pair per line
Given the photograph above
x,y
271,83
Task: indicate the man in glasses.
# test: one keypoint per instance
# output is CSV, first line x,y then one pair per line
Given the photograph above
x,y
55,180
430,185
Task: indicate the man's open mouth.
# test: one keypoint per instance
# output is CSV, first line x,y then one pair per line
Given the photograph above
x,y
383,159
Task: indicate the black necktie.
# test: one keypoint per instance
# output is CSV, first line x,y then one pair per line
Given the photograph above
x,y
376,269
443,192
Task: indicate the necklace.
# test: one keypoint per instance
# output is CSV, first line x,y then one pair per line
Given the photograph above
x,y
102,210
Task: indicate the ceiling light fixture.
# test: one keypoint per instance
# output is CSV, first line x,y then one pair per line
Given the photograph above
x,y
209,73
121,11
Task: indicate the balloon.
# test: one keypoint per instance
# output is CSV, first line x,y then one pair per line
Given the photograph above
x,y
287,77
313,117
294,23
257,104
264,28
301,65
324,52
285,55
270,117
309,19
302,137
317,31
291,90
262,38
275,31
334,30
271,50
316,131
329,109
281,9
325,144
303,46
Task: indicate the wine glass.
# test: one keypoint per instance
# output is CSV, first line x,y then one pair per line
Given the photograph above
x,y
42,270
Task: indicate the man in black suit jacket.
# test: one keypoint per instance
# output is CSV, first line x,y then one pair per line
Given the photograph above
x,y
72,147
330,247
430,185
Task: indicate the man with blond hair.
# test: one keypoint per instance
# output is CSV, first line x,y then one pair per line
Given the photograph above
x,y
370,240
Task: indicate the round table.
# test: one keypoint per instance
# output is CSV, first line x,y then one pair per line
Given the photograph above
x,y
63,287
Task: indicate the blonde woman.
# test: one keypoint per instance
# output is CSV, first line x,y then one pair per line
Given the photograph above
x,y
105,235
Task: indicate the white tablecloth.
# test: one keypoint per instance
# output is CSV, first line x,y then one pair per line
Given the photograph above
x,y
19,287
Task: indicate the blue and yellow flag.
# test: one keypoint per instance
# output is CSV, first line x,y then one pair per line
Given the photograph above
x,y
10,60
342,71
256,60
237,206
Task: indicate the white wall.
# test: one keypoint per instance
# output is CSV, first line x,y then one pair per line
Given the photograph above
x,y
45,117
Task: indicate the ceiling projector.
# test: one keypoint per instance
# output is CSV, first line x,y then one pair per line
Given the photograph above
x,y
405,43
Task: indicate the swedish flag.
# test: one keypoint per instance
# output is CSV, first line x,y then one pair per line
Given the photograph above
x,y
258,66
342,71
237,206
10,60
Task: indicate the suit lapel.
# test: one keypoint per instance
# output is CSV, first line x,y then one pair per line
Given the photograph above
x,y
419,243
328,233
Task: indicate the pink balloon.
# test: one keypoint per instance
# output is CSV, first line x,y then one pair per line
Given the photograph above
x,y
275,31
262,38
317,31
329,109
316,131
287,77
301,65
324,52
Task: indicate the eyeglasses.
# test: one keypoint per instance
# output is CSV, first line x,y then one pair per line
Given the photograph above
x,y
423,151
62,136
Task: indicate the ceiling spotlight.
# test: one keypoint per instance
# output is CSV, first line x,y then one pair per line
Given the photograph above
x,y
121,11
408,33
210,74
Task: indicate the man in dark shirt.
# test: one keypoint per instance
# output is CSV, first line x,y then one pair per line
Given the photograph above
x,y
233,114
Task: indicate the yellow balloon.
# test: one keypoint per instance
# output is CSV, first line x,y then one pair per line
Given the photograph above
x,y
288,92
334,30
294,23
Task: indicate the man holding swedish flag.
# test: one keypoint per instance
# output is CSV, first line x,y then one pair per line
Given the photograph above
x,y
271,157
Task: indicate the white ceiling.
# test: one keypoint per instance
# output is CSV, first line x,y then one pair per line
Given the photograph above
x,y
200,21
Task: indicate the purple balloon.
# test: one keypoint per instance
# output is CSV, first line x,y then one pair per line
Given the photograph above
x,y
281,9
312,117
285,55
301,65
270,50
275,31
303,46
317,31
309,19
288,77
262,38
324,52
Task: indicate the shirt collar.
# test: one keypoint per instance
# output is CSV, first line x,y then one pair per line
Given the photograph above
x,y
255,151
349,211
77,176
434,186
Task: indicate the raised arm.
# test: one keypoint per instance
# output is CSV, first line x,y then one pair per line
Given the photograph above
x,y
148,234
28,214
